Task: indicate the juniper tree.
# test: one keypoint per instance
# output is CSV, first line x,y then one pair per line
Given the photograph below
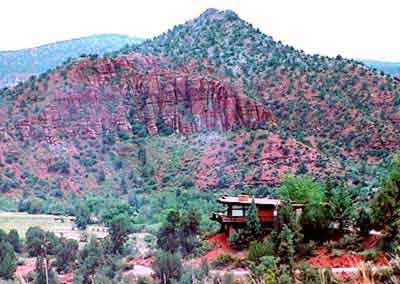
x,y
285,248
13,239
168,235
386,208
252,230
66,256
90,258
189,228
286,216
7,260
168,267
119,231
253,225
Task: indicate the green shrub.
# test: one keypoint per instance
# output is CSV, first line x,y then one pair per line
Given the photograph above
x,y
7,260
370,255
222,261
168,267
310,193
350,242
257,250
13,239
61,167
269,277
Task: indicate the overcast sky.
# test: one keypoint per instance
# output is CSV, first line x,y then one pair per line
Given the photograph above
x,y
353,28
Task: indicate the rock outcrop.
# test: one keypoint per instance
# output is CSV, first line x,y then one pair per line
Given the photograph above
x,y
129,91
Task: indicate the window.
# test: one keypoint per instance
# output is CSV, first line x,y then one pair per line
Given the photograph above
x,y
237,211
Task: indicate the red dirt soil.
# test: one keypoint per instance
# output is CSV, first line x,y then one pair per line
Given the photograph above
x,y
29,265
220,245
344,260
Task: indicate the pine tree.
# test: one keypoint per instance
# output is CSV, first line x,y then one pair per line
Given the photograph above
x,y
386,208
82,216
286,216
168,235
340,205
252,230
189,228
90,258
118,228
66,257
7,260
123,186
13,239
363,222
168,267
285,248
253,225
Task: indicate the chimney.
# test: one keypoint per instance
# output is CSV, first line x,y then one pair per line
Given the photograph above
x,y
244,197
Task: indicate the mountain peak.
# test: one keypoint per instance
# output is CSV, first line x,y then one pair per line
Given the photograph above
x,y
210,11
212,14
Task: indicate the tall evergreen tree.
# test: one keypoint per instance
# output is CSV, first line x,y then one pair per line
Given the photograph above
x,y
168,235
363,222
189,228
7,260
90,258
118,228
168,267
253,225
285,248
82,216
13,239
386,205
252,230
286,216
66,256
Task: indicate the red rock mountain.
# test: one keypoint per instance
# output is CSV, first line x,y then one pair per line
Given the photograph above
x,y
93,95
73,120
213,103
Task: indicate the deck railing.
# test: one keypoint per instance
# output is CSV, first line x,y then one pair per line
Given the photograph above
x,y
222,217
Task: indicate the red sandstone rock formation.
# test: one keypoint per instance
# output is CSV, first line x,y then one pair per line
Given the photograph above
x,y
114,93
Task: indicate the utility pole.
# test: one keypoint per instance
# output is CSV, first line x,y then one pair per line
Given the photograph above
x,y
45,260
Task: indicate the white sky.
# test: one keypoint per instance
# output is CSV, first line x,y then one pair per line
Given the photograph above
x,y
353,28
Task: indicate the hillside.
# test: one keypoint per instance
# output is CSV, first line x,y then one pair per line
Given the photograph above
x,y
21,64
211,104
336,105
95,122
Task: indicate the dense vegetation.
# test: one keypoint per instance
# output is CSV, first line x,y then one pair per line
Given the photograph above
x,y
271,259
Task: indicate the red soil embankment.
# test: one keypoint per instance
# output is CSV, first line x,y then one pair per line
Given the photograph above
x,y
220,245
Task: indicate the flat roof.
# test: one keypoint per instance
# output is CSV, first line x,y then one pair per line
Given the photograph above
x,y
257,201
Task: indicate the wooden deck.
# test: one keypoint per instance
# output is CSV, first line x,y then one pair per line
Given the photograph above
x,y
223,218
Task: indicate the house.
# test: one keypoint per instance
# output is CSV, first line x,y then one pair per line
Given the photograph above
x,y
236,208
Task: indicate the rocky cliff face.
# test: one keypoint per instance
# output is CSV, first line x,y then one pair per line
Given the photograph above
x,y
92,96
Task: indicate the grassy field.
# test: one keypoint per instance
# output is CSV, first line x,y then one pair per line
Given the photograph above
x,y
60,225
